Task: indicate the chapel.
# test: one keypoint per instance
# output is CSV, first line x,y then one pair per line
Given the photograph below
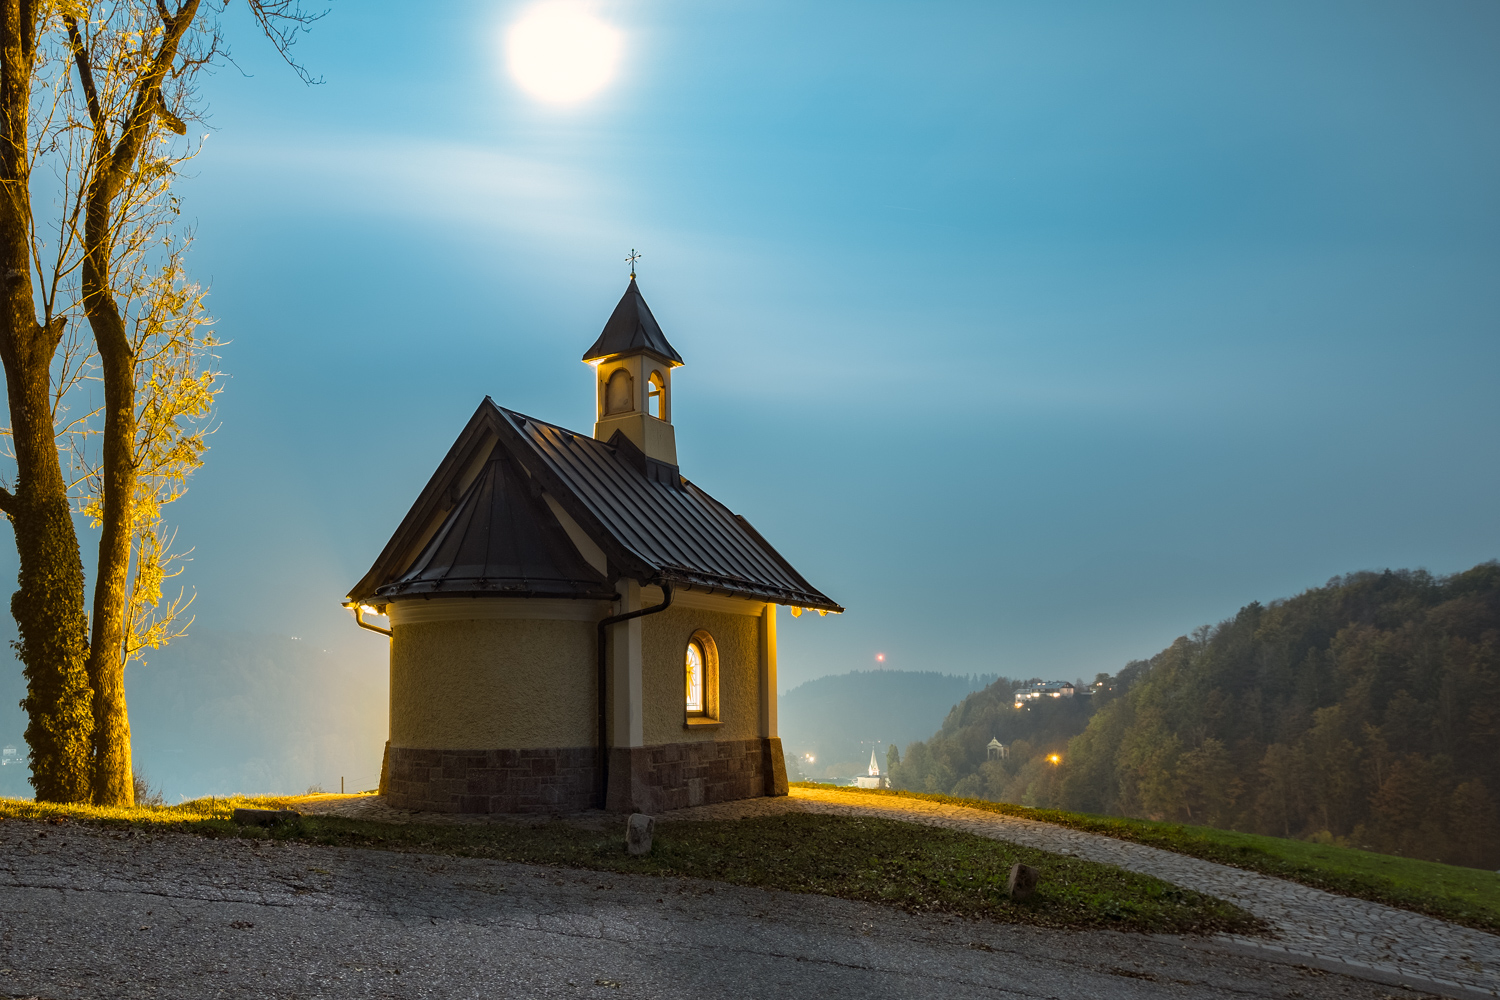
x,y
872,778
573,623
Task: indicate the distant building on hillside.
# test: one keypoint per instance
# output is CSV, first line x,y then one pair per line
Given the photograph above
x,y
874,779
997,750
1044,689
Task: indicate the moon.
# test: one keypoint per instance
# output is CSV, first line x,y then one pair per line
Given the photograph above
x,y
560,52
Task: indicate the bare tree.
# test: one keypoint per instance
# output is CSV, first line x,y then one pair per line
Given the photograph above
x,y
112,87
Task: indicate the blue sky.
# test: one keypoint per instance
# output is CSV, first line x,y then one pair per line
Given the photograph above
x,y
1035,334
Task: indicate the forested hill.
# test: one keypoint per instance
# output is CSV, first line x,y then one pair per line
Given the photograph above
x,y
955,760
1365,712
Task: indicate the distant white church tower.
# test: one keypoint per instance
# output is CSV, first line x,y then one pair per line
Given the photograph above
x,y
874,779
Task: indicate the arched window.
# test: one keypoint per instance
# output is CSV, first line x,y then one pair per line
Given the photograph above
x,y
701,679
695,660
619,392
656,397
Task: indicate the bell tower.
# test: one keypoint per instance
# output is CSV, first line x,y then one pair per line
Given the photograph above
x,y
633,378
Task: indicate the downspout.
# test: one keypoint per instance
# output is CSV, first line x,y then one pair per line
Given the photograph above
x,y
604,624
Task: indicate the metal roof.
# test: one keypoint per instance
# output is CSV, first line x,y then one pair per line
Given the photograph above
x,y
676,531
499,539
631,327
650,527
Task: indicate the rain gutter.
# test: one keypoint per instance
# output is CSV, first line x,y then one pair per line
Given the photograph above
x,y
360,621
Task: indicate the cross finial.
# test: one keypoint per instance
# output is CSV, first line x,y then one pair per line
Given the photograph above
x,y
631,261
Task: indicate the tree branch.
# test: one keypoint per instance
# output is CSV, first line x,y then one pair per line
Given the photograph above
x,y
85,71
173,122
7,501
147,98
282,21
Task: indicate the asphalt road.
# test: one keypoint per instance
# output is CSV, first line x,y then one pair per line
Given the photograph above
x,y
86,913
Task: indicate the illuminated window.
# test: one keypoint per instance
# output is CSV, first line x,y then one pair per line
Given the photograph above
x,y
618,392
701,679
695,677
656,395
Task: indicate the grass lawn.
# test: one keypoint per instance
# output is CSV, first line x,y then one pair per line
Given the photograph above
x,y
920,869
1463,895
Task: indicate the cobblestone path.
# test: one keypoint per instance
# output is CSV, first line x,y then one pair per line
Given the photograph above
x,y
1309,922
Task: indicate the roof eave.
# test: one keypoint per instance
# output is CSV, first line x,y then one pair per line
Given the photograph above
x,y
691,580
599,359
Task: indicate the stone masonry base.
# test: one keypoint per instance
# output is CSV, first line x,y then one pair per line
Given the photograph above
x,y
565,779
674,775
549,780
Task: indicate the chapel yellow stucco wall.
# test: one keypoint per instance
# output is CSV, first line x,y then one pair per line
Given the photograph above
x,y
664,640
514,683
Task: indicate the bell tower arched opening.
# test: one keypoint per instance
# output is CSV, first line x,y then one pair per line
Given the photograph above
x,y
619,393
656,397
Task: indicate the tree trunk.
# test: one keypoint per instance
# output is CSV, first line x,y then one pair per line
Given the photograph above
x,y
49,604
112,781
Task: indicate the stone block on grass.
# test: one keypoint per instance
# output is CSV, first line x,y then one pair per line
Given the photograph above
x,y
638,833
1022,882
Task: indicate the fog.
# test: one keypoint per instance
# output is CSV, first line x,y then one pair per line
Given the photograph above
x,y
220,712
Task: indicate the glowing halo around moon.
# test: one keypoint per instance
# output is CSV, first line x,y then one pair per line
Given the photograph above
x,y
561,53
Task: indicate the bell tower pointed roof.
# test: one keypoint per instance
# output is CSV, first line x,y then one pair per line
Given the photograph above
x,y
632,329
